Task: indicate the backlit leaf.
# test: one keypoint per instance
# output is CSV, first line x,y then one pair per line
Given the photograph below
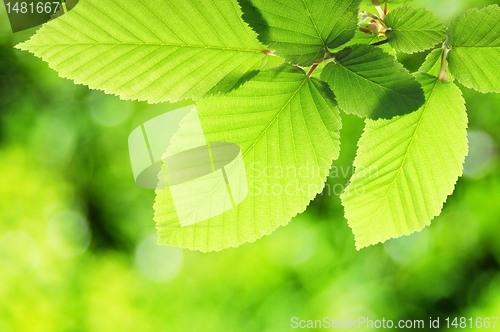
x,y
151,50
413,29
407,166
474,38
287,127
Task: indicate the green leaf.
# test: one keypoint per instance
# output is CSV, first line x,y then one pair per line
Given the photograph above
x,y
474,38
413,29
407,166
432,63
287,127
370,83
302,30
151,50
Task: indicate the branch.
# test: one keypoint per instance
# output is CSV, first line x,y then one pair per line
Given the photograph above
x,y
382,42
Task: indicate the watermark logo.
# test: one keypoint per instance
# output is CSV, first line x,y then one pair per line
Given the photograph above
x,y
26,14
205,179
268,180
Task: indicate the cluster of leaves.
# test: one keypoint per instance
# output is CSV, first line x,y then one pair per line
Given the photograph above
x,y
285,118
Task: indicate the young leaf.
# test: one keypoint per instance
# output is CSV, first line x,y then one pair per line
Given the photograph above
x,y
432,63
287,127
407,166
151,50
474,38
413,29
302,30
370,83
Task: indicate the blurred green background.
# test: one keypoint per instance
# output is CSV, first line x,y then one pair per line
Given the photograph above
x,y
78,246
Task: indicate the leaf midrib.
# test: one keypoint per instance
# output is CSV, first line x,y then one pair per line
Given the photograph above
x,y
151,44
277,115
251,147
400,169
377,84
323,42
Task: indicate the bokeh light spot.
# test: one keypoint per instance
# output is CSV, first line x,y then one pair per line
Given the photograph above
x,y
107,110
482,154
18,253
158,263
68,234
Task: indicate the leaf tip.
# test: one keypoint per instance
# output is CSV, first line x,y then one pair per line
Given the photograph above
x,y
24,46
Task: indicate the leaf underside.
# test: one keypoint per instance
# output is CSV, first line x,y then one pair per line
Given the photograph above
x,y
287,127
407,166
151,50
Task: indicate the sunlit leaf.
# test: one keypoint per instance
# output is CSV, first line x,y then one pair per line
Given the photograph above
x,y
413,29
432,63
287,127
151,50
474,58
407,166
